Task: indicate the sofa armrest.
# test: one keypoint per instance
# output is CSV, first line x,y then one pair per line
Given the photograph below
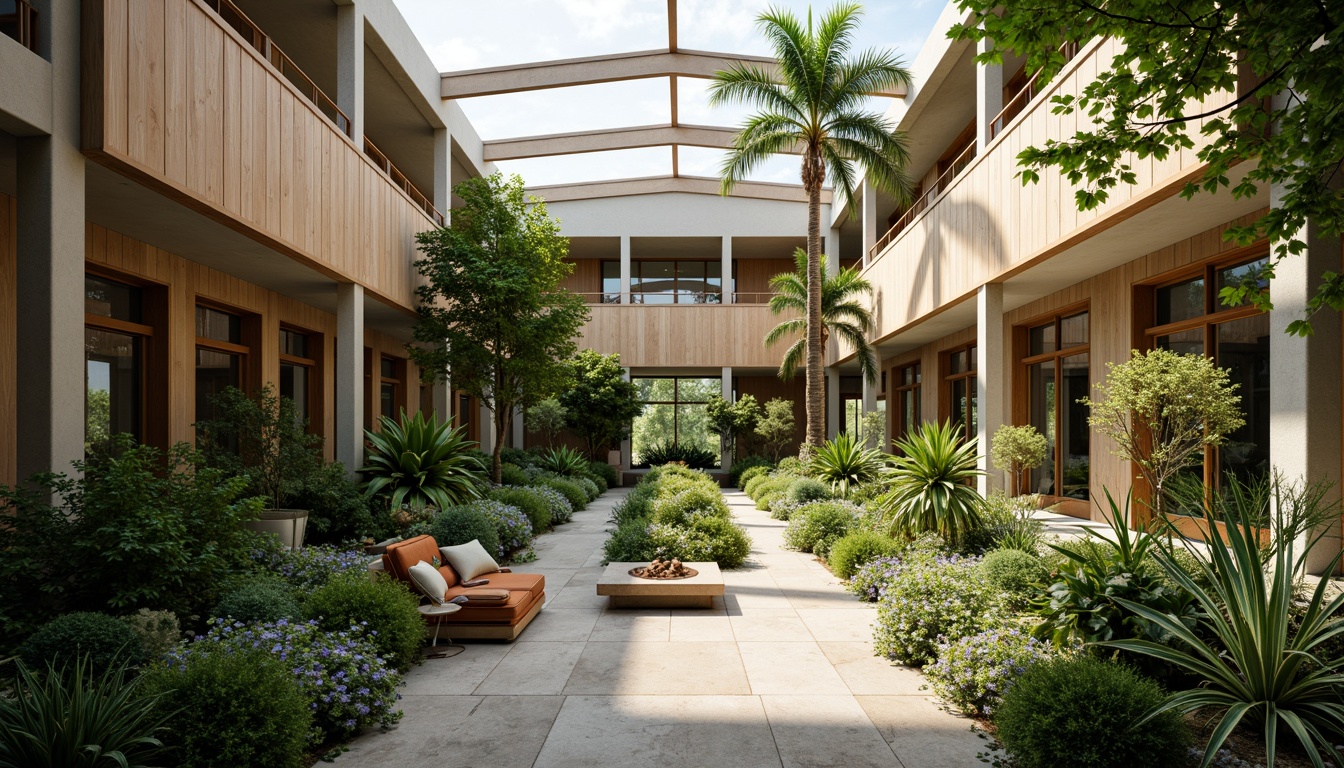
x,y
506,570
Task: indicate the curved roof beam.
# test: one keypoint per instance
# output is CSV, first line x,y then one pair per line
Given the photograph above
x,y
562,73
714,137
652,185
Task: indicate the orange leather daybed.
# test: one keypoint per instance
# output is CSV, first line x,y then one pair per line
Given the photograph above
x,y
503,620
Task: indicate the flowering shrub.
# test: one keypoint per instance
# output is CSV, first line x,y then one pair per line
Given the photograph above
x,y
815,526
973,673
561,510
781,508
348,686
870,581
929,600
515,530
311,567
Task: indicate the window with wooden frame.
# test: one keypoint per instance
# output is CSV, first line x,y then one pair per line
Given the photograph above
x,y
300,374
906,394
675,282
391,384
117,339
221,357
1053,358
1186,315
958,403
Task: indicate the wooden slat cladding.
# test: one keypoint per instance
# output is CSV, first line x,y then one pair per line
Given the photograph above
x,y
694,335
9,339
987,222
177,100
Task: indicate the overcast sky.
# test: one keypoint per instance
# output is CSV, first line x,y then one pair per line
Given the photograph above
x,y
467,34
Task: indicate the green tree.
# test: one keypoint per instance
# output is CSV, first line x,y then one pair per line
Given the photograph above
x,y
493,314
733,421
843,314
1161,409
1280,63
547,418
775,428
1017,451
97,417
600,404
817,103
263,438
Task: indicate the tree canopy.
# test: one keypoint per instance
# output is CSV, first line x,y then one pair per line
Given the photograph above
x,y
493,317
1261,80
599,403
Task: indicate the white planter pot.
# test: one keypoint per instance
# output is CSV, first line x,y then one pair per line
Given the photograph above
x,y
288,525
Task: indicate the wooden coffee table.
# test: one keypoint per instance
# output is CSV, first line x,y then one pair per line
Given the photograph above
x,y
626,591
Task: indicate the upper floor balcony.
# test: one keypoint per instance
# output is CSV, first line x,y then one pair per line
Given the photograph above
x,y
195,99
18,19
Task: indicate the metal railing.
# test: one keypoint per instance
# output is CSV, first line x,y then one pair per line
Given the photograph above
x,y
397,177
18,20
1024,96
919,206
670,299
239,22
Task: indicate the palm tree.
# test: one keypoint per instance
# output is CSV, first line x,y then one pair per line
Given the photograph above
x,y
816,103
842,314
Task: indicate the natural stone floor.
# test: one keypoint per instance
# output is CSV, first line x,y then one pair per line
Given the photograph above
x,y
779,673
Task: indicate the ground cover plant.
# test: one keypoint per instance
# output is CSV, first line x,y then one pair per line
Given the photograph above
x,y
858,548
973,673
927,600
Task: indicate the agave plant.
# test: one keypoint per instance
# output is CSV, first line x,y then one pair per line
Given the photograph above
x,y
930,485
73,719
692,456
421,462
564,461
1256,660
843,462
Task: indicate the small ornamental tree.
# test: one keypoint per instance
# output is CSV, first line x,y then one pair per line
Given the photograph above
x,y
733,421
1162,409
492,313
775,428
1017,451
547,418
599,403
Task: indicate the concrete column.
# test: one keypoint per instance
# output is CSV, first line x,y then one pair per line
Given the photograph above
x,y
727,278
50,264
831,247
440,395
519,436
625,271
443,172
350,375
869,404
990,371
869,219
626,453
988,97
726,392
487,429
350,65
832,403
1304,378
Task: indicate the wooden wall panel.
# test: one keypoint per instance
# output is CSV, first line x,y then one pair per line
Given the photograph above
x,y
586,278
682,336
986,222
753,277
9,398
765,388
183,103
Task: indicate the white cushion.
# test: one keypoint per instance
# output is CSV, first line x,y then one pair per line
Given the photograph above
x,y
470,560
427,579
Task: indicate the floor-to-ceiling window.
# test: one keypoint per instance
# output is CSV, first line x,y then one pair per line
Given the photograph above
x,y
297,364
1188,316
115,336
674,412
666,282
906,395
221,358
1056,363
959,397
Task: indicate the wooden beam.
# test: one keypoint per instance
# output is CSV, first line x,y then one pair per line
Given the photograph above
x,y
596,69
653,185
672,25
714,137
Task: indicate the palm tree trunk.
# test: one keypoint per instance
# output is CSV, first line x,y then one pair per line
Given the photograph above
x,y
813,175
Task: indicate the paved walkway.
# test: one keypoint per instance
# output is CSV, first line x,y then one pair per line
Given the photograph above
x,y
779,674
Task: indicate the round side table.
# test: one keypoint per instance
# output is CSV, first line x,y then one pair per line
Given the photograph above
x,y
438,612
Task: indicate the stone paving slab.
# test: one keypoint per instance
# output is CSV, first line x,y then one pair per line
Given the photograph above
x,y
779,672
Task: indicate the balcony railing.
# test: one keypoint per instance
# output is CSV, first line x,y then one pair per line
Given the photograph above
x,y
259,40
397,177
1023,97
18,20
670,299
960,164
